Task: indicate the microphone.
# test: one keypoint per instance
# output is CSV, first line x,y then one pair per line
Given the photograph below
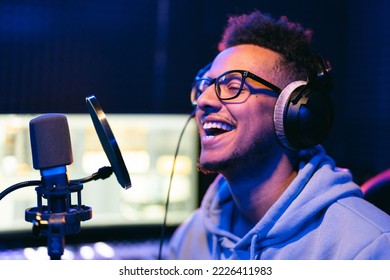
x,y
52,153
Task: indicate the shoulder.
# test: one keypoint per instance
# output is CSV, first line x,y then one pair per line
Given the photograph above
x,y
361,228
365,213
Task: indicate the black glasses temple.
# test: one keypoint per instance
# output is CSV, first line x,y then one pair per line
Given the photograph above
x,y
264,82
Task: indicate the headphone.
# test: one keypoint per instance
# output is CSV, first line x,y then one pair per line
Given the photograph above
x,y
303,113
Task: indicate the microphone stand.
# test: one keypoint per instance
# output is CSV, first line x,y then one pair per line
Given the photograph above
x,y
59,217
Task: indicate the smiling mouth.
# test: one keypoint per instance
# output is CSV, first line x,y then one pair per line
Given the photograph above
x,y
216,128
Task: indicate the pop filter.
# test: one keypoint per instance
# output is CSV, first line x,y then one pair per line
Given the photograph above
x,y
108,141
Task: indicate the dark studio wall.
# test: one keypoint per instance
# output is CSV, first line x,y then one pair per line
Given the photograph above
x,y
140,56
364,115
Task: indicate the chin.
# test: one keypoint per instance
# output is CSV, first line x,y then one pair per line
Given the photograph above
x,y
210,166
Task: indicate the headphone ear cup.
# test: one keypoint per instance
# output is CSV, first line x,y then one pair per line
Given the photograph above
x,y
281,107
303,116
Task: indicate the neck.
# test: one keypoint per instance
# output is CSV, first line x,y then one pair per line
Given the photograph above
x,y
256,191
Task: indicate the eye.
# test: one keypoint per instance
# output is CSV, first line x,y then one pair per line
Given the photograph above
x,y
231,83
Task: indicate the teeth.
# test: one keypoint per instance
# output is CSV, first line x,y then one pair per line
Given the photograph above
x,y
217,125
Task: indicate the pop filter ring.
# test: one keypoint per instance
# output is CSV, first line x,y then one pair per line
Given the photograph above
x,y
108,141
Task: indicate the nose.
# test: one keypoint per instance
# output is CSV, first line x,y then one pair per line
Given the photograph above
x,y
208,99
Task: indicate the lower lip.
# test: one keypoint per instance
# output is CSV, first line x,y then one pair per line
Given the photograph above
x,y
208,140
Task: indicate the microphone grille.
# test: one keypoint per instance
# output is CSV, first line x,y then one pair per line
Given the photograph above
x,y
50,141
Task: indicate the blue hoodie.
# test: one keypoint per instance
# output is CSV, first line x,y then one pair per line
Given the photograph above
x,y
321,215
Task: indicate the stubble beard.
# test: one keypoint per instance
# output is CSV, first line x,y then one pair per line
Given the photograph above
x,y
238,157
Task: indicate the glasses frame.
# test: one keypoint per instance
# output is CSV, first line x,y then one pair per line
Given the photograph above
x,y
196,93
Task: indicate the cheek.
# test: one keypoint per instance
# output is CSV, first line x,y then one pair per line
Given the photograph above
x,y
262,113
261,127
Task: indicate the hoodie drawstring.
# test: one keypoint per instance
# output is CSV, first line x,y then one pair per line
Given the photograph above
x,y
253,247
215,251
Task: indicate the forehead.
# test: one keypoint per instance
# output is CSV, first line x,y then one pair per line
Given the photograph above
x,y
245,57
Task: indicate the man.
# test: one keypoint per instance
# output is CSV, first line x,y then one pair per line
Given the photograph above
x,y
262,111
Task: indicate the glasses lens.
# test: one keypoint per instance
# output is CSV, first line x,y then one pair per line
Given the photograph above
x,y
198,88
229,85
194,95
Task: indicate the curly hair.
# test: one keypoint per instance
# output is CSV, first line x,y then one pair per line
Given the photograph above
x,y
287,38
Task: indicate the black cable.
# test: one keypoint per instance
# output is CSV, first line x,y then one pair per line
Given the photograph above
x,y
19,186
170,185
102,173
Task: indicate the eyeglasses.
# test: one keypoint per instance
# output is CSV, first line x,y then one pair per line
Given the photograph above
x,y
229,85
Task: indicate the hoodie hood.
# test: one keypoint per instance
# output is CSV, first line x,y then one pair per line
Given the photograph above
x,y
318,184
